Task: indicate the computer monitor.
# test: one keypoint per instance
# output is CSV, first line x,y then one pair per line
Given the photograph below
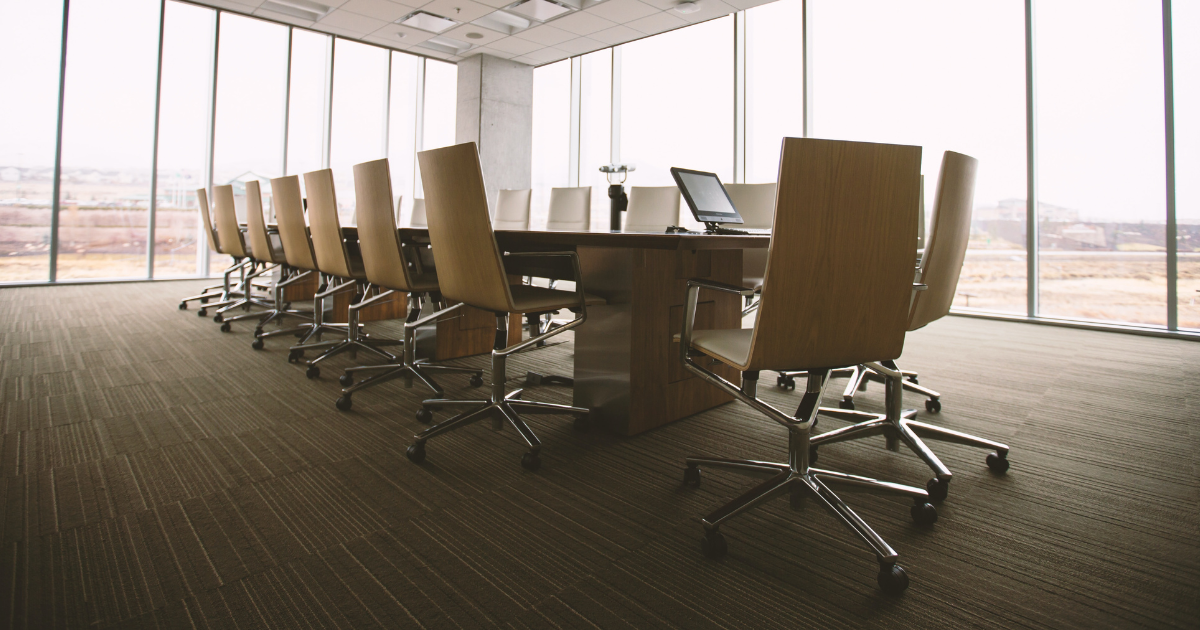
x,y
705,196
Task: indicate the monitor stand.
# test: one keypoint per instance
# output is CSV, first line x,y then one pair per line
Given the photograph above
x,y
715,228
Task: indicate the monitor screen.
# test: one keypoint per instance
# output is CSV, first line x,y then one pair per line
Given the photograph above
x,y
706,196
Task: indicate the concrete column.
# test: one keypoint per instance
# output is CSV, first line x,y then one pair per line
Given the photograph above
x,y
495,110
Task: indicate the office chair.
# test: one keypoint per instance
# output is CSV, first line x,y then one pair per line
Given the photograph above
x,y
268,248
570,209
393,266
512,209
471,272
234,244
836,292
342,271
652,208
218,292
418,219
756,204
939,270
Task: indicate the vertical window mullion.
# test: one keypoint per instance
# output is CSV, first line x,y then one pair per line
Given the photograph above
x,y
1031,213
56,202
152,219
1169,131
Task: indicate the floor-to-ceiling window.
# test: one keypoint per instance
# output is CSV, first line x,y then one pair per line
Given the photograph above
x,y
32,33
185,104
360,94
944,75
551,136
1185,18
402,131
439,108
774,85
308,102
1100,147
108,138
595,131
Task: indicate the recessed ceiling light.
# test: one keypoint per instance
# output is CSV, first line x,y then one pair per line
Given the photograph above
x,y
687,7
427,22
540,10
304,9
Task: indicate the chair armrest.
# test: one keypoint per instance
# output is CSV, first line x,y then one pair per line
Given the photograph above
x,y
574,267
917,286
720,286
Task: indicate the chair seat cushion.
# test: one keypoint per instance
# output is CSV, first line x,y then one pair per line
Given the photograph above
x,y
730,346
531,299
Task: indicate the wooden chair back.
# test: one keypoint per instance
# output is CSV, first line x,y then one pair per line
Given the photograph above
x,y
418,219
468,260
256,226
377,236
227,224
289,213
946,243
840,267
570,209
652,208
206,215
324,224
512,210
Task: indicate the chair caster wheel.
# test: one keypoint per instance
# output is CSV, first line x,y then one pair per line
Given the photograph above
x,y
346,380
424,415
202,312
846,404
343,403
204,300
924,513
783,381
312,371
226,327
258,332
691,476
258,344
933,405
531,462
937,489
218,318
416,453
812,455
998,462
476,380
713,545
183,306
582,424
892,579
295,355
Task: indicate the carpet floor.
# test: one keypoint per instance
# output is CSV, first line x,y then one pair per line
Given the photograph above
x,y
157,473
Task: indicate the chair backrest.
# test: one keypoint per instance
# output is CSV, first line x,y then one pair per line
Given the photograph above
x,y
418,219
468,260
377,237
755,202
206,215
256,226
570,209
324,224
652,208
289,213
399,203
512,210
946,243
840,266
227,224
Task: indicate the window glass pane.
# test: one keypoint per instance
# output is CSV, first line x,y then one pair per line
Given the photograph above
x,y
677,104
890,78
402,130
1185,20
185,101
307,102
251,87
595,131
360,76
1101,174
774,85
439,109
108,133
31,32
551,136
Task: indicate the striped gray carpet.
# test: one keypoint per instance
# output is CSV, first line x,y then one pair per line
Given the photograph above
x,y
155,472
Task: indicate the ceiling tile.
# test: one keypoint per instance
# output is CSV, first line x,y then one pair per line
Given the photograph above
x,y
616,35
457,10
353,22
666,4
657,23
484,50
411,35
249,3
385,42
622,11
515,45
462,34
543,56
379,9
495,4
333,30
429,52
229,4
545,35
709,9
280,17
580,45
582,23
746,4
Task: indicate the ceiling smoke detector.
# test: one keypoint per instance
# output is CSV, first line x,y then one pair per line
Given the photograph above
x,y
687,7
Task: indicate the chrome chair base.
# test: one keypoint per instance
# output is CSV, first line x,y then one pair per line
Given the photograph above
x,y
859,376
899,425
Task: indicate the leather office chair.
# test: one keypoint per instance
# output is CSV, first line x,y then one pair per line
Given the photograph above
x,y
393,266
218,292
836,292
939,271
756,204
342,270
652,208
512,209
418,219
233,243
268,248
471,272
570,209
